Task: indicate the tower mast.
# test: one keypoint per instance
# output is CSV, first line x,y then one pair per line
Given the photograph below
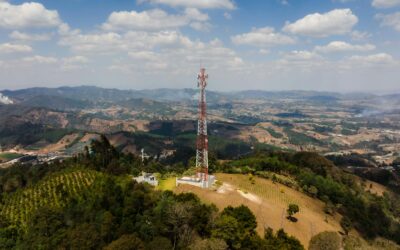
x,y
202,138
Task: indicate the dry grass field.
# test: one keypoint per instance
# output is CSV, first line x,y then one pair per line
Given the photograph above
x,y
269,201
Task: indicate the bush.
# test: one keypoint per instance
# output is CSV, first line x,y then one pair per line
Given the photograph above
x,y
325,241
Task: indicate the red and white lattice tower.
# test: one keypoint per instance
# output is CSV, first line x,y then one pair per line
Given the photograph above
x,y
202,138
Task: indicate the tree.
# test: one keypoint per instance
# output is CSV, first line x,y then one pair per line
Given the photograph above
x,y
46,229
126,242
291,210
83,236
209,244
243,215
237,227
346,224
326,241
227,228
160,243
313,191
280,240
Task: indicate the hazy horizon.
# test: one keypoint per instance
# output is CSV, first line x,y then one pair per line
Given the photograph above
x,y
376,92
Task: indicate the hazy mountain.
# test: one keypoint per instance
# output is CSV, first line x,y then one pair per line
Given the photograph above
x,y
96,94
56,102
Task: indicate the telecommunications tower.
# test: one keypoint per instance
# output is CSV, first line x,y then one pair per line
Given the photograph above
x,y
202,138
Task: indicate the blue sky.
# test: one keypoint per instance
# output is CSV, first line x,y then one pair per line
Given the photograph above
x,y
334,45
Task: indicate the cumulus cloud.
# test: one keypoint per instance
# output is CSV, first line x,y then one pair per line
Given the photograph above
x,y
186,59
75,59
359,35
12,48
155,19
340,46
27,15
385,3
74,62
111,42
335,22
262,37
16,35
201,4
301,55
391,20
379,59
40,59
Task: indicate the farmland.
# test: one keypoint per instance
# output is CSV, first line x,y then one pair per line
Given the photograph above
x,y
54,191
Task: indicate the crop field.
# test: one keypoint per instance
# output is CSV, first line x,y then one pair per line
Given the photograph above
x,y
269,201
52,192
9,156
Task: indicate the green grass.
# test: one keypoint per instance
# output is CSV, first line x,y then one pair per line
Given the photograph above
x,y
9,156
167,184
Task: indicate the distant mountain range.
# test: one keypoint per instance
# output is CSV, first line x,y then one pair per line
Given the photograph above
x,y
96,94
86,97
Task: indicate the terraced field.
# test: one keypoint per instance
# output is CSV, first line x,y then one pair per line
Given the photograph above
x,y
54,191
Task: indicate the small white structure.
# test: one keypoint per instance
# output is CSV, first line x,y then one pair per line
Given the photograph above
x,y
147,177
196,181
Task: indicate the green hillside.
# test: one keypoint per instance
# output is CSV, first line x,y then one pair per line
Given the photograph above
x,y
54,191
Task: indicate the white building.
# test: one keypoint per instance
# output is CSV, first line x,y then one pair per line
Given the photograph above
x,y
147,177
196,181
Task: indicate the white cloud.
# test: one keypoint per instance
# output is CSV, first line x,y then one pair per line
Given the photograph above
x,y
302,55
195,14
201,26
76,59
340,46
385,3
155,19
144,55
16,35
27,15
73,63
12,48
335,22
262,37
359,35
391,20
185,58
40,59
111,42
227,16
374,59
201,4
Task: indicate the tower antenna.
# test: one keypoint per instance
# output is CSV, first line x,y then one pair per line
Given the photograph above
x,y
202,138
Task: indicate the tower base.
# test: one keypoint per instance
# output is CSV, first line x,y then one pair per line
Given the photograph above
x,y
196,181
